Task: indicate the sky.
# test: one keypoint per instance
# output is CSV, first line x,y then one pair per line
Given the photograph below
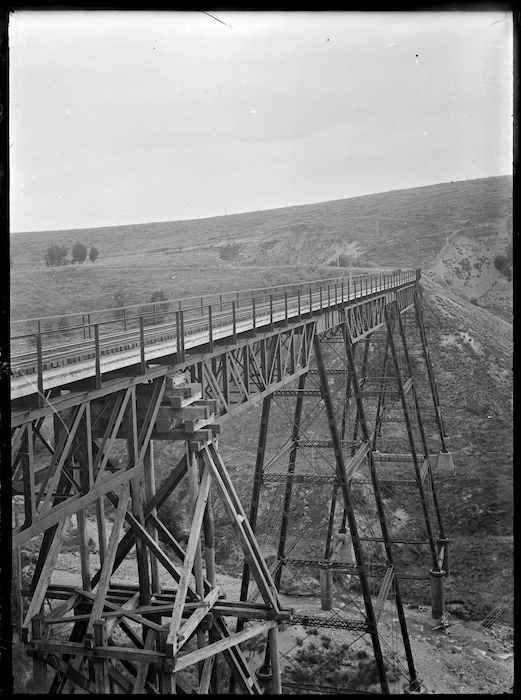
x,y
129,117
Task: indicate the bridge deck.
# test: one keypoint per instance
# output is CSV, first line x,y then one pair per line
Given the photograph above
x,y
94,349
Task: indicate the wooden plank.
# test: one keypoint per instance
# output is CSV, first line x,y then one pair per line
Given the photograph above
x,y
140,531
206,676
195,657
59,466
72,505
70,673
111,652
139,686
83,538
186,631
115,421
106,571
124,611
191,548
101,677
45,577
243,529
141,552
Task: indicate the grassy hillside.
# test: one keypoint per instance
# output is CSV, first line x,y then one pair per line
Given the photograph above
x,y
472,355
404,228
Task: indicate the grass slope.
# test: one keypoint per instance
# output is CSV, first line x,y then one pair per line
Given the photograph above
x,y
405,228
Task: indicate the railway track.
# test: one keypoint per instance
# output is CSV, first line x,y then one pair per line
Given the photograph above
x,y
103,345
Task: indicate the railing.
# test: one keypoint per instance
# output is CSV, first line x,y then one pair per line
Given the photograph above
x,y
139,333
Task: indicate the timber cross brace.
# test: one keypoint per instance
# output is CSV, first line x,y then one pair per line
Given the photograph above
x,y
343,482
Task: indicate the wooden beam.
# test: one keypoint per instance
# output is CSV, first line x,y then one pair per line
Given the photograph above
x,y
191,547
72,505
106,572
233,640
45,577
186,631
243,529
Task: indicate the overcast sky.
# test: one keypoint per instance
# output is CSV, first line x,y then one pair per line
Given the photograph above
x,y
123,117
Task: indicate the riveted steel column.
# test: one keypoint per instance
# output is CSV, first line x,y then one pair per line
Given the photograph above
x,y
379,505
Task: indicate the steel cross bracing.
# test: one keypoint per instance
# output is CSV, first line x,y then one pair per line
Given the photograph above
x,y
83,452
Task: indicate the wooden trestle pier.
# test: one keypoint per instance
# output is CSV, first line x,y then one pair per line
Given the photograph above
x,y
347,362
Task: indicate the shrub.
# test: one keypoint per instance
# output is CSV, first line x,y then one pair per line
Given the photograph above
x,y
503,263
55,255
230,251
93,253
79,253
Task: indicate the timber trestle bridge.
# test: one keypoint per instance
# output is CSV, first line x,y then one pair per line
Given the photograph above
x,y
341,483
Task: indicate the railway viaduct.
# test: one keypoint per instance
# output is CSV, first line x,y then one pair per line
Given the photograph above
x,y
350,445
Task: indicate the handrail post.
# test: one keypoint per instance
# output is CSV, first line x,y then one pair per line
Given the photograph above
x,y
328,295
155,316
254,317
90,327
39,362
234,317
142,345
97,356
298,304
178,334
320,296
182,325
210,328
310,302
221,301
336,290
125,318
271,312
285,308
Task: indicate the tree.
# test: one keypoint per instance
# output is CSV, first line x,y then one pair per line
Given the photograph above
x,y
93,253
159,308
55,255
79,253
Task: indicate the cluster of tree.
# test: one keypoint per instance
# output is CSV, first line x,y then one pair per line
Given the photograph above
x,y
56,255
504,263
